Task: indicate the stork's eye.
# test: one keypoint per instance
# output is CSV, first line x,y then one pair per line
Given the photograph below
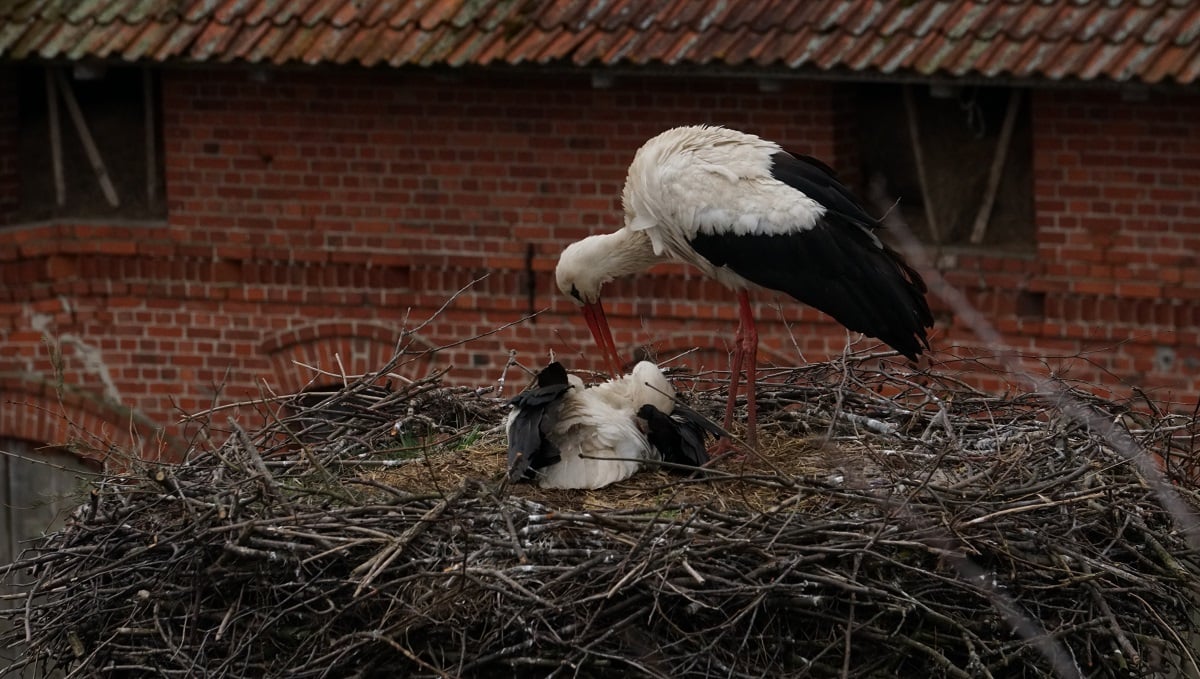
x,y
575,293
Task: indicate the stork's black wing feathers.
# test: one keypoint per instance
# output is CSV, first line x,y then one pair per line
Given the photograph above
x,y
696,420
819,182
837,266
681,436
553,375
694,430
529,449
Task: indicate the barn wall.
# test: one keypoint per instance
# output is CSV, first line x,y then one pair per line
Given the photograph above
x,y
1119,232
318,215
315,215
1112,297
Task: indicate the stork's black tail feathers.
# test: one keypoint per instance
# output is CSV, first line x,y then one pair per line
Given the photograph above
x,y
528,447
879,294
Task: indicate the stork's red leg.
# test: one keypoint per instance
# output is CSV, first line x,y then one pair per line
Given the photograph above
x,y
735,376
745,354
749,350
723,445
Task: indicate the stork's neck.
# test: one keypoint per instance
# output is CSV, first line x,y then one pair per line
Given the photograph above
x,y
623,252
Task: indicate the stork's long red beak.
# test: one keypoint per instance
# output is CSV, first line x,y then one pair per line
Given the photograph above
x,y
593,313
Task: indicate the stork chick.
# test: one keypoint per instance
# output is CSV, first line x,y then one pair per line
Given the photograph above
x,y
565,435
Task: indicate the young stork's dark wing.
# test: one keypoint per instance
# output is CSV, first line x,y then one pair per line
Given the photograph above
x,y
679,437
528,447
837,265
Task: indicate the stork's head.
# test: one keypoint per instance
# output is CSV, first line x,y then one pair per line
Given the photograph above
x,y
652,386
580,275
584,267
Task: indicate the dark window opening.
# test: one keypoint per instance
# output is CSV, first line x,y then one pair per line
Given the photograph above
x,y
958,131
115,111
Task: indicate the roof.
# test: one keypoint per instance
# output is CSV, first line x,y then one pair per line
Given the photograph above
x,y
1149,41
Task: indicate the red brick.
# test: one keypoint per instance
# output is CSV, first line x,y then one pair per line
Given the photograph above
x,y
1139,290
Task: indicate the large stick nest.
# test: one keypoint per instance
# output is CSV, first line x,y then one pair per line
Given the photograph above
x,y
894,524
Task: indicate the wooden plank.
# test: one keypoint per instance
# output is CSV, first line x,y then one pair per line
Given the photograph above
x,y
996,173
56,159
151,149
89,144
914,133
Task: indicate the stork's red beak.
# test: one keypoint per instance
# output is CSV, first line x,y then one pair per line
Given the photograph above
x,y
593,313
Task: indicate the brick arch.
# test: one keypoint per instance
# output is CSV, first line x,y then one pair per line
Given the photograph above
x,y
363,347
76,420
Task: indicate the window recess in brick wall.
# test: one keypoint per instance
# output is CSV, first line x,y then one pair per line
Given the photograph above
x,y
958,158
90,143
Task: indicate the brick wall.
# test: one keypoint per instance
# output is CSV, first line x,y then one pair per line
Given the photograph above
x,y
1120,235
314,215
1112,297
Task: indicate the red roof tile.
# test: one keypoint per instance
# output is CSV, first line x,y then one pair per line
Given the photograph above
x,y
1114,40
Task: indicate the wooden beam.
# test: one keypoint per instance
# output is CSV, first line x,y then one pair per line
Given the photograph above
x,y
914,133
996,173
89,144
151,149
56,159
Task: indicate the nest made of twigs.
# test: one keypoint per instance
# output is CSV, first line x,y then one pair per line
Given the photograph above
x,y
893,524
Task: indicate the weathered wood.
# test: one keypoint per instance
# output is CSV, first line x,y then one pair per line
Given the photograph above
x,y
151,148
89,143
914,133
56,160
996,173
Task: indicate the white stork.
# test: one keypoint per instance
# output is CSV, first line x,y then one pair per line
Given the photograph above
x,y
748,213
567,436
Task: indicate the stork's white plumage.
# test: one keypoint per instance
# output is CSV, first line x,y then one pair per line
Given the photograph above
x,y
749,214
565,435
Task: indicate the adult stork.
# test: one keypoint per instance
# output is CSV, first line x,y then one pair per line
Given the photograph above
x,y
749,214
565,435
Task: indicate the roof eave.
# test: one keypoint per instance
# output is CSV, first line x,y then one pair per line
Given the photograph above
x,y
657,70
